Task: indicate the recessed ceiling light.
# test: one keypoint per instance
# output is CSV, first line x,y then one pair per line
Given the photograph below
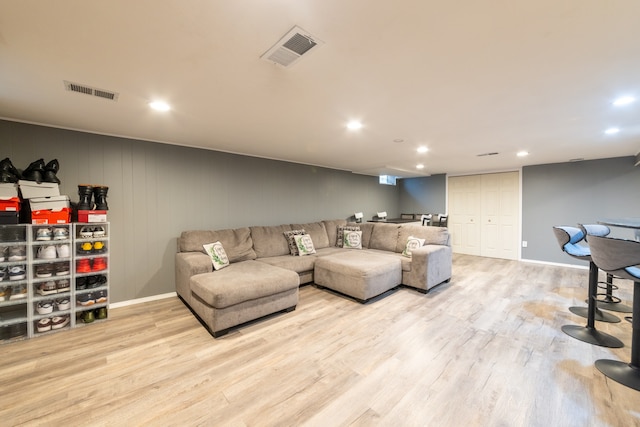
x,y
522,153
420,166
612,131
354,125
422,149
623,100
159,106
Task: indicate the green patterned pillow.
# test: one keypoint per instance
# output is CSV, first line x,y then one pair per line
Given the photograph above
x,y
217,254
413,243
340,234
304,244
352,239
293,249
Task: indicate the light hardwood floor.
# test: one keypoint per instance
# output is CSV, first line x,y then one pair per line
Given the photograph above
x,y
483,350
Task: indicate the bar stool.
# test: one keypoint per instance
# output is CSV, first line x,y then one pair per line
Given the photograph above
x,y
622,258
609,301
568,238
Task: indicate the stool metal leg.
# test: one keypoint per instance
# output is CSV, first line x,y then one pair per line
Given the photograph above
x,y
589,333
611,302
627,373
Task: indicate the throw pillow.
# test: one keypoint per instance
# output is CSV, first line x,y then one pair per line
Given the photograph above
x,y
412,244
340,234
352,239
304,244
217,254
293,249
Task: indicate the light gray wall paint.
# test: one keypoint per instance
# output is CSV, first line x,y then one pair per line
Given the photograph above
x,y
156,191
572,193
423,195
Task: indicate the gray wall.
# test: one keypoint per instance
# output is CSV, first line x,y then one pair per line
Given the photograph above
x,y
423,195
156,191
572,193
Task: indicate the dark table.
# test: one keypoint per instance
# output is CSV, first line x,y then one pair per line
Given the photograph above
x,y
621,222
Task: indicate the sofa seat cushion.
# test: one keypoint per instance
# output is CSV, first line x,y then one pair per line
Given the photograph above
x,y
299,264
236,242
406,262
243,281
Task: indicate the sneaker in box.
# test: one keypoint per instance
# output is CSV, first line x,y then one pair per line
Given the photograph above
x,y
8,190
92,216
31,189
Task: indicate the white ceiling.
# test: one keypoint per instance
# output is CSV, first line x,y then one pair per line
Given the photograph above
x,y
461,77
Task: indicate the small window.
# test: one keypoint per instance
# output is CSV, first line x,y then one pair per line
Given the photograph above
x,y
387,179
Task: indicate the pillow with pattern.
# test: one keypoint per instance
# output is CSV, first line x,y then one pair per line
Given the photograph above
x,y
352,239
340,234
304,244
413,243
293,249
217,254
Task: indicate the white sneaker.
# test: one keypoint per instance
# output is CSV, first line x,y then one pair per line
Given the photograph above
x,y
47,252
60,233
63,251
86,232
43,234
99,231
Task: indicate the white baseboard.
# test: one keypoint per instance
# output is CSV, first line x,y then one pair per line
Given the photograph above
x,y
557,264
141,300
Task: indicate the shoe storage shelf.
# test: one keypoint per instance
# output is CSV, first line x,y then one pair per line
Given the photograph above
x,y
52,278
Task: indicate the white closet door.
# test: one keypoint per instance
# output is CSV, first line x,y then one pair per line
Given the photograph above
x,y
484,214
464,214
499,204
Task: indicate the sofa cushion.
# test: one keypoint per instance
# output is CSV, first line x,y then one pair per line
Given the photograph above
x,y
237,242
293,248
217,254
317,231
431,235
340,233
385,237
367,229
412,244
243,281
299,264
304,244
332,228
352,239
270,240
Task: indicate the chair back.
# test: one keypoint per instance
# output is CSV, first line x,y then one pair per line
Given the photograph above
x,y
426,219
443,220
569,238
616,256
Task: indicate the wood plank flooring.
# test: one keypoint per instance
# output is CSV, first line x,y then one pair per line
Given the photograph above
x,y
483,350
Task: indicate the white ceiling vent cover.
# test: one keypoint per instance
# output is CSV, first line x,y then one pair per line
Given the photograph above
x,y
92,91
290,48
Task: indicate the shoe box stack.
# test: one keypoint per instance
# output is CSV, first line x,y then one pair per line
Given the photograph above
x,y
9,204
43,204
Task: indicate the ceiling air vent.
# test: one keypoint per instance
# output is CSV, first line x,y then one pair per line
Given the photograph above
x,y
92,91
291,47
487,154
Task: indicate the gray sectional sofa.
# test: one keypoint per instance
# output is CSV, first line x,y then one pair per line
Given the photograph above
x,y
263,277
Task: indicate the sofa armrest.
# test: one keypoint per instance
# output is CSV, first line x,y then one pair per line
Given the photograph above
x,y
430,266
189,264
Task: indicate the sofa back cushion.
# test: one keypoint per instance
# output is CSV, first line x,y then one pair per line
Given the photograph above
x,y
431,235
317,231
270,240
332,229
385,237
367,229
237,242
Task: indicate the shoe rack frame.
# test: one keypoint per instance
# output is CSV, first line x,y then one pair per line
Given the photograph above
x,y
21,314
